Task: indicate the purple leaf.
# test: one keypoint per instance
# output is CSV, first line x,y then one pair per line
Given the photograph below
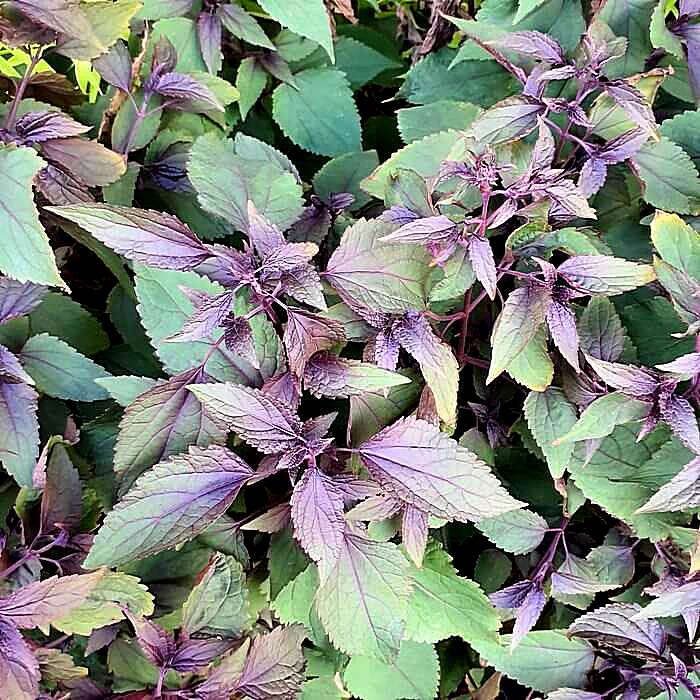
x,y
209,33
423,467
284,387
263,235
161,422
266,423
380,507
62,498
164,58
19,668
605,275
635,380
633,103
36,127
616,626
434,229
683,367
183,87
513,596
561,322
317,514
483,264
209,313
522,315
680,600
40,603
509,120
195,654
399,215
157,644
239,339
593,175
601,331
244,26
115,66
306,334
679,415
18,298
337,377
386,350
169,505
535,45
61,188
623,147
528,614
273,520
19,431
274,667
567,201
11,371
681,493
150,237
436,359
88,162
414,533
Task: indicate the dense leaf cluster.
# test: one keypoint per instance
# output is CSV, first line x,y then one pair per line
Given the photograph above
x,y
349,349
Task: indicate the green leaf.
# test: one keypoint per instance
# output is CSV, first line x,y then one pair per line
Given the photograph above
x,y
549,415
544,660
359,62
444,604
104,604
369,413
158,9
218,604
323,688
182,34
522,315
164,308
651,325
25,253
424,157
125,120
526,7
64,318
413,675
684,130
225,181
416,123
623,474
126,389
319,113
677,243
371,579
344,174
517,532
435,78
509,120
250,81
660,35
600,330
379,276
533,366
244,26
602,416
453,279
306,17
629,19
61,371
670,178
295,601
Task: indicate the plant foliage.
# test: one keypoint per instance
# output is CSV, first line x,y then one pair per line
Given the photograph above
x,y
349,349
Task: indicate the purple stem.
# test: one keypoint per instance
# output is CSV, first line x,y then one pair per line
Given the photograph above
x,y
19,92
